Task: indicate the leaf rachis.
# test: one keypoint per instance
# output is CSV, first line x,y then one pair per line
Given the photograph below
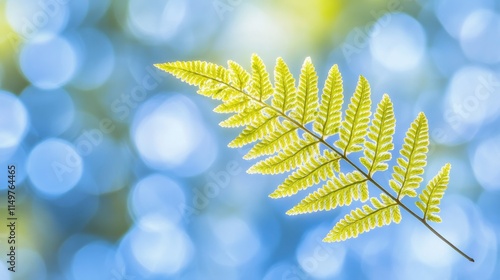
x,y
275,127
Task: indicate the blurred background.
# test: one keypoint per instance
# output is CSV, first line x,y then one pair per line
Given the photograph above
x,y
123,172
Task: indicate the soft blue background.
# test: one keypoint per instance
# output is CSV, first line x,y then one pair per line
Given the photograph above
x,y
123,172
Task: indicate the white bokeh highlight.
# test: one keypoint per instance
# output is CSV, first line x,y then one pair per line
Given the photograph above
x,y
168,134
452,13
237,242
54,167
317,258
30,18
480,36
470,102
485,163
14,121
399,44
160,247
48,62
156,22
157,194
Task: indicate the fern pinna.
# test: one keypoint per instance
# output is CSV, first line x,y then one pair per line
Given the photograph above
x,y
292,131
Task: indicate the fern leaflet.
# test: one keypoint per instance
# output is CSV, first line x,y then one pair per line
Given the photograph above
x,y
260,86
289,158
284,97
337,192
365,219
353,128
239,76
329,116
305,109
407,174
433,193
316,169
379,142
278,130
283,134
196,72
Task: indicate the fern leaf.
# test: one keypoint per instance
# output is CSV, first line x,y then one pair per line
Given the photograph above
x,y
260,86
433,193
196,72
407,174
215,89
245,117
281,130
337,192
364,219
239,76
285,133
212,79
234,105
311,173
379,142
307,96
292,156
355,124
329,116
256,131
285,91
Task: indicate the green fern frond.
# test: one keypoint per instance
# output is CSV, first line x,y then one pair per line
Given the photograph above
x,y
312,172
284,134
255,131
216,90
248,116
407,174
234,105
329,116
290,158
337,192
364,219
276,123
239,76
196,73
353,128
260,86
285,91
306,105
433,193
379,142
